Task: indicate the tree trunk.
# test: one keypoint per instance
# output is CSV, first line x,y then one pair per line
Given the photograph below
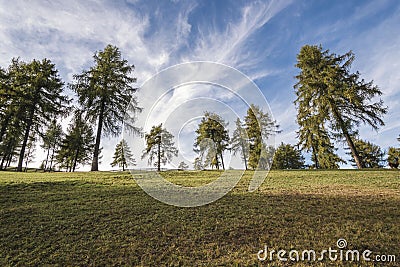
x,y
346,134
315,157
353,149
2,161
75,160
9,159
51,159
222,161
244,155
159,155
47,159
95,162
24,143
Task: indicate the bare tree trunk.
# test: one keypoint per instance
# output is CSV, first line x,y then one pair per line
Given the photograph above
x,y
244,155
24,143
2,161
95,162
315,157
47,159
52,157
346,134
9,159
75,159
222,161
159,156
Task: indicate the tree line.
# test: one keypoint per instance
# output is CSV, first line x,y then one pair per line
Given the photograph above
x,y
332,102
33,99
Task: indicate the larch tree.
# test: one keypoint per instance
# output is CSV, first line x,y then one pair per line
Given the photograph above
x,y
40,90
77,145
123,156
106,91
288,157
240,142
12,110
198,164
327,89
259,126
212,139
160,147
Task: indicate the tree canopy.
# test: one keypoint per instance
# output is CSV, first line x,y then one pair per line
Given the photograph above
x,y
32,95
212,140
123,156
329,94
105,92
160,147
288,157
77,146
240,142
259,127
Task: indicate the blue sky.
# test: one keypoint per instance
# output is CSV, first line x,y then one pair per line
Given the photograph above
x,y
259,38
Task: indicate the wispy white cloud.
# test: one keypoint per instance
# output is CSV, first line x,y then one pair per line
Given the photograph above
x,y
228,45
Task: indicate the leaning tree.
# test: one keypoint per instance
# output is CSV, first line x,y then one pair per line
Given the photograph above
x,y
327,89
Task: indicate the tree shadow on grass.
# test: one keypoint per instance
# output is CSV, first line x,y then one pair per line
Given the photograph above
x,y
80,223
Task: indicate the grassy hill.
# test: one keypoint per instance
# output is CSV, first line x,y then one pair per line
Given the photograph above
x,y
104,218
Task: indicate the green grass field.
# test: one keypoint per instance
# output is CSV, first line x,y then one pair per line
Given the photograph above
x,y
104,218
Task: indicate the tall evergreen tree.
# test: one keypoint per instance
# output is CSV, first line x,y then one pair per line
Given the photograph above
x,y
77,146
123,156
105,91
198,164
12,110
212,139
259,127
160,146
328,90
288,157
42,99
240,142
